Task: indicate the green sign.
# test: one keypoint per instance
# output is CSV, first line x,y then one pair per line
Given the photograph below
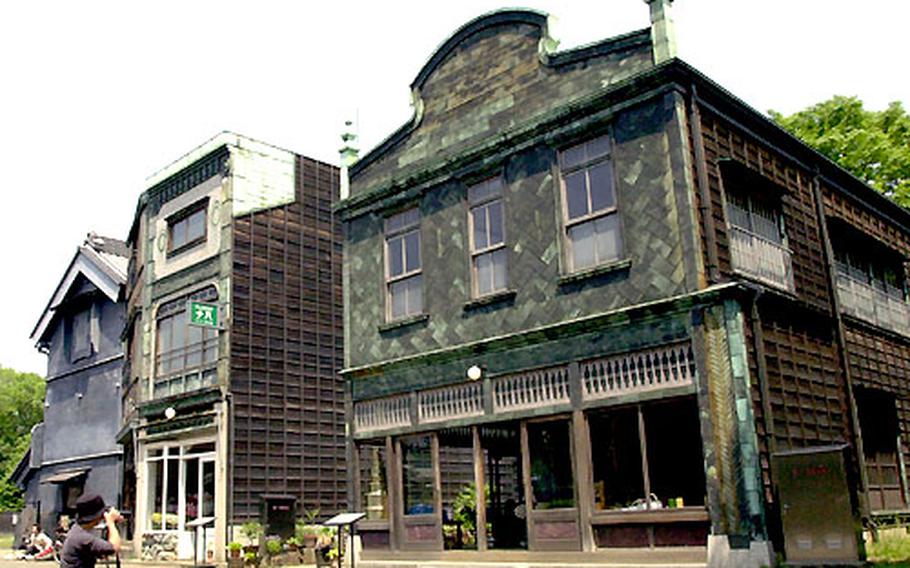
x,y
204,314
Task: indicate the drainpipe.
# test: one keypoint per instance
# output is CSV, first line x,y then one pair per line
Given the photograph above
x,y
663,32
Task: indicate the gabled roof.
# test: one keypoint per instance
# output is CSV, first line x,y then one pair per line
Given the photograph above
x,y
102,261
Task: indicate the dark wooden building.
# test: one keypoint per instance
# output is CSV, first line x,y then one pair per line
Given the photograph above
x,y
600,304
242,411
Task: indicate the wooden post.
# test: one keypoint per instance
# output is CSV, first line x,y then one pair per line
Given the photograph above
x,y
526,481
584,479
391,477
481,521
437,486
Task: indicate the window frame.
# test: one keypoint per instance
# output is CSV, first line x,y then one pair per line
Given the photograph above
x,y
183,216
177,312
484,203
77,351
591,216
401,233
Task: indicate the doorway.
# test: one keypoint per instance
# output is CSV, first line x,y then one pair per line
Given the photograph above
x,y
507,526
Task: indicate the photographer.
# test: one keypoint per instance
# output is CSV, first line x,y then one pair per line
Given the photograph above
x,y
82,548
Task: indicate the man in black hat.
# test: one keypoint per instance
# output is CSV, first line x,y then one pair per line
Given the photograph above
x,y
82,548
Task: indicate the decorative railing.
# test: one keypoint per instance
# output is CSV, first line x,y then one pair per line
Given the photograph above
x,y
447,403
637,372
761,258
382,414
862,300
534,389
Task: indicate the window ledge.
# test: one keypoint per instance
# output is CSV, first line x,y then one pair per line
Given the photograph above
x,y
600,270
398,324
495,297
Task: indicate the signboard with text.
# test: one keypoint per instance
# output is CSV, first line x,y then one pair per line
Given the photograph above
x,y
203,314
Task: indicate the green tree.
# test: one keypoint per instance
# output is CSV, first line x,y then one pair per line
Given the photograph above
x,y
21,407
872,145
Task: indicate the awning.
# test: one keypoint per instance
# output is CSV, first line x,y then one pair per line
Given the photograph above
x,y
64,476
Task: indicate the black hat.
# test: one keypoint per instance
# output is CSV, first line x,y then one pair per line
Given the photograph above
x,y
89,508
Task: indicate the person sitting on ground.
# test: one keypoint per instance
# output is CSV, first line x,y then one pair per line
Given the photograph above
x,y
82,548
38,544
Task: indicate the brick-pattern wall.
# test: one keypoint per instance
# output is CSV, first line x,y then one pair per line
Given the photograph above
x,y
286,350
652,241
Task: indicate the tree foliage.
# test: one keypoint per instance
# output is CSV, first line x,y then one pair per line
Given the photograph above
x,y
21,407
872,145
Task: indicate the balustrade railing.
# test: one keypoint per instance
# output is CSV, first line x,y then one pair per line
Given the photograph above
x,y
761,258
382,414
534,389
639,371
447,403
864,301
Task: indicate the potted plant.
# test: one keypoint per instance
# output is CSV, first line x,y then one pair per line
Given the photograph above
x,y
250,558
251,530
272,549
234,549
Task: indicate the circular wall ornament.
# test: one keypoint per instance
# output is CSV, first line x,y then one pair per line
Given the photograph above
x,y
162,241
214,213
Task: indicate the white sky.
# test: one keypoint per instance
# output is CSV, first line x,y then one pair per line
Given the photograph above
x,y
95,96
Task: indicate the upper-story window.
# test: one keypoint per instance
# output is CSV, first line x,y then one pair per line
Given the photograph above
x,y
80,340
404,288
758,243
185,354
870,279
187,228
488,245
589,204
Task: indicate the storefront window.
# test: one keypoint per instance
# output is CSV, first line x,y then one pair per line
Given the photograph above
x,y
552,480
373,484
507,526
178,479
673,474
616,459
417,475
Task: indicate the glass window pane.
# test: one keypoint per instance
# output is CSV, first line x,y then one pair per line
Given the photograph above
x,y
499,270
675,463
398,299
582,245
458,490
155,494
417,475
415,295
609,243
171,494
484,190
552,480
573,156
208,488
495,212
601,180
598,147
412,251
396,260
576,195
196,225
484,273
191,482
402,220
178,234
374,491
616,460
479,217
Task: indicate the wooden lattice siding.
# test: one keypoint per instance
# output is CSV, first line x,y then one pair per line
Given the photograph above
x,y
642,371
846,209
722,141
286,348
805,381
883,363
533,389
382,414
459,401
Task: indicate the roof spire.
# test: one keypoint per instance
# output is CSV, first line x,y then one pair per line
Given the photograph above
x,y
348,153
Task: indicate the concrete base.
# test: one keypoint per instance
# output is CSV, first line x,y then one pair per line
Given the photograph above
x,y
721,555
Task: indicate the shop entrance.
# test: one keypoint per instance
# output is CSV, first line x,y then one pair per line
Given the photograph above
x,y
507,526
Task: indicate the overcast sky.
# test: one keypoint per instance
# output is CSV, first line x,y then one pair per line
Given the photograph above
x,y
95,96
